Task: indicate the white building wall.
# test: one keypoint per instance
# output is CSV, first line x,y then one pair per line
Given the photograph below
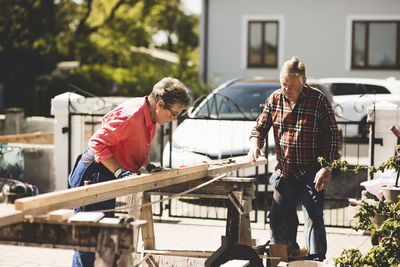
x,y
318,31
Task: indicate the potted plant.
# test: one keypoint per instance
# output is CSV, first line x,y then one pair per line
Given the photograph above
x,y
385,237
380,218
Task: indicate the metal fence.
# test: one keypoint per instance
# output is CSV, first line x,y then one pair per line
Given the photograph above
x,y
356,149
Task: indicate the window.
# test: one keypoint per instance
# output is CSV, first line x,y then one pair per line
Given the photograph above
x,y
375,89
376,45
262,45
346,89
357,89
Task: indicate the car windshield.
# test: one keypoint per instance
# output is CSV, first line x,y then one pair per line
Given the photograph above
x,y
238,101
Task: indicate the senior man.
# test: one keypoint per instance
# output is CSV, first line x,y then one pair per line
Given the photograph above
x,y
304,128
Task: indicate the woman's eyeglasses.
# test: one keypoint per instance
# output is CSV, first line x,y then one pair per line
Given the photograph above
x,y
173,114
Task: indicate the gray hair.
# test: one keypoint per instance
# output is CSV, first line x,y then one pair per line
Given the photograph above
x,y
293,66
171,91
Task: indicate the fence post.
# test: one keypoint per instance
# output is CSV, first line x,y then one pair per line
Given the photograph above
x,y
15,118
63,127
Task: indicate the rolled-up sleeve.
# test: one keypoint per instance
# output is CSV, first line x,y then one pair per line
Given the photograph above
x,y
263,124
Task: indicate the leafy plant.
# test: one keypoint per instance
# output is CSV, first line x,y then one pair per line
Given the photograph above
x,y
343,166
387,250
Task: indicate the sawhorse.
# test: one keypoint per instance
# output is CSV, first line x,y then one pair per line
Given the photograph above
x,y
239,193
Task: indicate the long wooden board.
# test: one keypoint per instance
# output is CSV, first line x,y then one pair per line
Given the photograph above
x,y
85,195
235,164
102,191
8,215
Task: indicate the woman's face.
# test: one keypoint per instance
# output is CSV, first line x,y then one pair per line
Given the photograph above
x,y
167,113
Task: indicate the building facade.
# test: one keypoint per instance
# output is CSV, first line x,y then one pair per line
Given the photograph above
x,y
342,38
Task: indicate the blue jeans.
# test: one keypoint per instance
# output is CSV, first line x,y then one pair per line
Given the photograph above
x,y
87,169
283,213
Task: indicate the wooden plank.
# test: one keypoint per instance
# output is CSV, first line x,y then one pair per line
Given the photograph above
x,y
82,196
89,216
181,253
60,215
108,220
29,138
8,215
237,163
107,190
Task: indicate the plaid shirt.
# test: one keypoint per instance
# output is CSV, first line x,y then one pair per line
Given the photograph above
x,y
302,134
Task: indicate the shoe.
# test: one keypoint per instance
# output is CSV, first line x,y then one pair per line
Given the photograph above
x,y
316,257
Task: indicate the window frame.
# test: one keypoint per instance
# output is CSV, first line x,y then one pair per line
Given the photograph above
x,y
366,42
263,23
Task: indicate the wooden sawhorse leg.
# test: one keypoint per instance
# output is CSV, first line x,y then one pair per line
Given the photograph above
x,y
237,227
148,229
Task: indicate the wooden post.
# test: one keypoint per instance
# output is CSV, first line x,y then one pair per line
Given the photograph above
x,y
107,252
244,225
148,229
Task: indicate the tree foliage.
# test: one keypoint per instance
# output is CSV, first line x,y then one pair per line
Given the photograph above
x,y
37,34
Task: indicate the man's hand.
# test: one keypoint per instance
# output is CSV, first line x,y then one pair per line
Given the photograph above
x,y
254,151
253,154
322,179
151,168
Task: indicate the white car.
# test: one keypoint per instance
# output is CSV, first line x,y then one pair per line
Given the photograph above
x,y
352,97
220,125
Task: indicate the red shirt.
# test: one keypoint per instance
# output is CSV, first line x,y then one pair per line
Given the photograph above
x,y
126,133
302,134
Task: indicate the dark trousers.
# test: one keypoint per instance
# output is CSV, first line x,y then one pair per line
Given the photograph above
x,y
87,169
283,213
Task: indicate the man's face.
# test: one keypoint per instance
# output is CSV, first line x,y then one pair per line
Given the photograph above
x,y
292,86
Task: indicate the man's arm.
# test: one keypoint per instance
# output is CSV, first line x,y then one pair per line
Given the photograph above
x,y
330,136
260,132
330,144
255,150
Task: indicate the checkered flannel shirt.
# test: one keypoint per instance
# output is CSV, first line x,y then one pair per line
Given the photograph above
x,y
302,134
